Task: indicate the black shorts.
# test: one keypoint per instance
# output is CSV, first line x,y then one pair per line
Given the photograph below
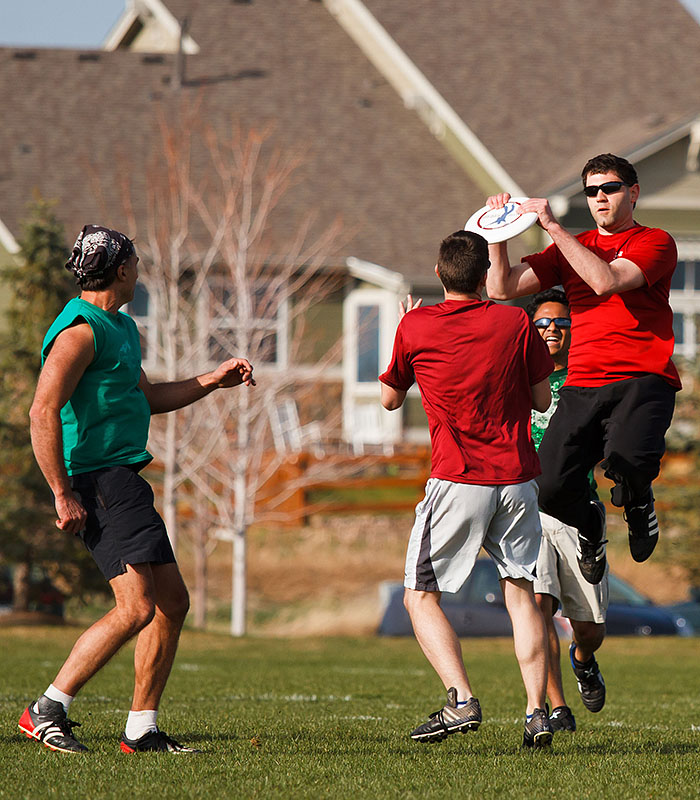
x,y
123,527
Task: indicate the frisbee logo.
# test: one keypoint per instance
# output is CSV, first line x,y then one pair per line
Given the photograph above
x,y
501,224
497,217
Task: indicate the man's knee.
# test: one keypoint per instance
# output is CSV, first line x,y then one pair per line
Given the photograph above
x,y
137,613
588,635
177,604
415,599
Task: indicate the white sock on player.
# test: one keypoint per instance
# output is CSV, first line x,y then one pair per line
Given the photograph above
x,y
140,722
60,697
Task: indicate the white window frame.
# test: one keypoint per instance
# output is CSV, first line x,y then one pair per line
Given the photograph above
x,y
148,328
686,301
356,392
279,326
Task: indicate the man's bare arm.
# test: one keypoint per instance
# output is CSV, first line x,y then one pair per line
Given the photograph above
x,y
392,398
164,397
503,281
541,395
69,357
605,278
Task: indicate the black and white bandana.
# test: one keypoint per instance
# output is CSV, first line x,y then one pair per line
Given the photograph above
x,y
96,250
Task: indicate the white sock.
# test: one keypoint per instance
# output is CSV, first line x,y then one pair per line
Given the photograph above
x,y
140,722
60,697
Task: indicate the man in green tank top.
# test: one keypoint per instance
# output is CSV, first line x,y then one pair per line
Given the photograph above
x,y
89,428
559,582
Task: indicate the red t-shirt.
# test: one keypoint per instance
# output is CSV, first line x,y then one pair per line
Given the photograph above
x,y
474,362
627,334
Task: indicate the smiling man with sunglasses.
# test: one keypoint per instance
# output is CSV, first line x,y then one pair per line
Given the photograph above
x,y
619,395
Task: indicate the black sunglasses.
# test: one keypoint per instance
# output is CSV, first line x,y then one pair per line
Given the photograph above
x,y
606,188
560,322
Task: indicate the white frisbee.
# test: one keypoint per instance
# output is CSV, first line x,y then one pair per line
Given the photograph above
x,y
501,224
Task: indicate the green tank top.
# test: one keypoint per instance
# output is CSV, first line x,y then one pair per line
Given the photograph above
x,y
105,422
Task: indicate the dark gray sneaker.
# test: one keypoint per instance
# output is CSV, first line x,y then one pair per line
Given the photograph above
x,y
154,741
591,685
561,719
449,719
591,555
538,730
643,528
46,721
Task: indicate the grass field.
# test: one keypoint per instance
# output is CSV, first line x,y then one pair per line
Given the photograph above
x,y
328,718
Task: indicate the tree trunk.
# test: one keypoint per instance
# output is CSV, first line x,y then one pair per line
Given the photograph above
x,y
200,568
20,587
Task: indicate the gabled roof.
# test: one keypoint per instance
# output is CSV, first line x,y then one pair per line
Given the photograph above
x,y
369,158
546,85
542,86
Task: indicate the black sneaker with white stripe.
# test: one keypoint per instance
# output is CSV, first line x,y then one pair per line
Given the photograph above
x,y
562,719
591,554
154,741
46,721
591,685
449,719
538,730
643,529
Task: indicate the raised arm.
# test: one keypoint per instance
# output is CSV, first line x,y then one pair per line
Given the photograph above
x,y
604,278
163,397
503,281
69,357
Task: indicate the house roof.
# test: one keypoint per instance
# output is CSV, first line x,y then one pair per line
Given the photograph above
x,y
542,86
369,158
546,85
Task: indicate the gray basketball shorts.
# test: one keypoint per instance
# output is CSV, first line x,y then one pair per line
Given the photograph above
x,y
558,574
455,520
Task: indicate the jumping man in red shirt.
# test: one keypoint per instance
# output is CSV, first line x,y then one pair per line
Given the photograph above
x,y
480,368
619,395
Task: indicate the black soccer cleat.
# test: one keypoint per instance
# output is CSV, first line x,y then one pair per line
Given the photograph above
x,y
591,554
154,741
449,719
538,730
50,726
591,685
561,719
591,559
643,528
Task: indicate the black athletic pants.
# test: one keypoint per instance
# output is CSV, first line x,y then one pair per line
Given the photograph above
x,y
623,424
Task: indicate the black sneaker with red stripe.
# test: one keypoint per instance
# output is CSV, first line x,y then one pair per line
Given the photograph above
x,y
154,741
46,721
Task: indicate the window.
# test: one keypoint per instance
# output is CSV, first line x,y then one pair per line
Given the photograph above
x,y
367,343
685,300
142,309
253,327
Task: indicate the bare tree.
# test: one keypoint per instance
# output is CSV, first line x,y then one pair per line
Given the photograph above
x,y
223,281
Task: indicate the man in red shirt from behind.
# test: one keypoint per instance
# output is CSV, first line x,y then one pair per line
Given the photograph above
x,y
480,367
618,399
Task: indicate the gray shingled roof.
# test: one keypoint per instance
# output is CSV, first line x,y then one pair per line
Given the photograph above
x,y
370,159
546,84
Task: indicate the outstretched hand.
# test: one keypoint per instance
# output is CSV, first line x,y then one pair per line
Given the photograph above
x,y
234,372
410,305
